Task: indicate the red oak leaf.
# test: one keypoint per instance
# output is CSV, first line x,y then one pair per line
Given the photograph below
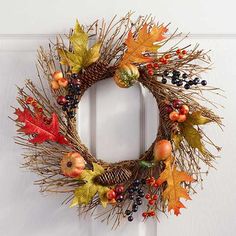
x,y
34,124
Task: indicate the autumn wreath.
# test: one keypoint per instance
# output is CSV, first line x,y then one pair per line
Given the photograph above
x,y
129,52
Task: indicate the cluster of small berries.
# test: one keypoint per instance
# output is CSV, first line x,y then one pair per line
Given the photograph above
x,y
135,193
116,194
181,80
70,102
31,101
177,110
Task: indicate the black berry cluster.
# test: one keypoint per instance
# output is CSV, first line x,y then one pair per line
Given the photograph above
x,y
135,194
70,102
180,80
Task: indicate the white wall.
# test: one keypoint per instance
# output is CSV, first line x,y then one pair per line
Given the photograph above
x,y
26,24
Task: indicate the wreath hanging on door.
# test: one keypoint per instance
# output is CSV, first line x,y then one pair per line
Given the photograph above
x,y
129,52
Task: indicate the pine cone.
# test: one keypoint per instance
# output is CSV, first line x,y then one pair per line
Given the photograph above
x,y
95,72
114,176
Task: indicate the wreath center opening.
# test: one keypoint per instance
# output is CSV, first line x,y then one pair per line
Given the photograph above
x,y
117,124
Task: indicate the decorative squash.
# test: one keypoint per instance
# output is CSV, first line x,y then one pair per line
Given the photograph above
x,y
162,150
72,164
126,75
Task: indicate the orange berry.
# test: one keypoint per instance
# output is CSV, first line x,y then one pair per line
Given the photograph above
x,y
174,116
111,194
182,118
55,85
57,75
63,82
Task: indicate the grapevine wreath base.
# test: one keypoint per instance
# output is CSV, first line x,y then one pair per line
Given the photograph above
x,y
130,52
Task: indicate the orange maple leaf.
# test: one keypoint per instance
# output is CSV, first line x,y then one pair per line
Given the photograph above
x,y
145,42
174,191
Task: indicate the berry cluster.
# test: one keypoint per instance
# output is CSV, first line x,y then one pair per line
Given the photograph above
x,y
31,101
177,110
116,194
135,194
69,102
151,197
181,80
58,80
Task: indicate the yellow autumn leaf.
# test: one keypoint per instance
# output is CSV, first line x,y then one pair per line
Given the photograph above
x,y
84,194
196,118
93,54
81,55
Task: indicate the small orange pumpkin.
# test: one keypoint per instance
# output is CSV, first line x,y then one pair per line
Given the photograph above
x,y
126,75
72,164
162,150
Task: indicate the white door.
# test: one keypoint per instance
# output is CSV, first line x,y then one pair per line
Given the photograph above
x,y
115,123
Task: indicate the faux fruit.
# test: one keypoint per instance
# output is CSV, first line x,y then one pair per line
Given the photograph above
x,y
174,116
126,75
111,194
57,75
184,109
72,164
162,150
182,118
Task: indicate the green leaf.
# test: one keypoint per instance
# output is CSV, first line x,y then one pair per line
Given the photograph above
x,y
177,139
192,136
84,194
196,118
147,164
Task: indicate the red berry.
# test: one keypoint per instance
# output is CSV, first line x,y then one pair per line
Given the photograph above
x,y
40,109
155,197
149,66
61,100
177,103
151,202
145,214
178,51
167,56
152,213
119,189
29,100
147,196
169,109
156,66
150,72
162,59
156,185
180,57
184,109
34,104
184,52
